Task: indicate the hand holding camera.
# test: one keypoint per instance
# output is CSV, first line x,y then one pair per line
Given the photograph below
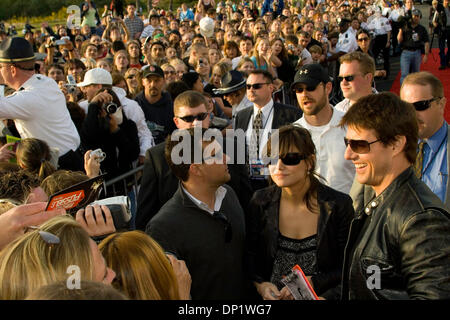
x,y
96,220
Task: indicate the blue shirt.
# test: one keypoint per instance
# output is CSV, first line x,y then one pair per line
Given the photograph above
x,y
434,170
188,15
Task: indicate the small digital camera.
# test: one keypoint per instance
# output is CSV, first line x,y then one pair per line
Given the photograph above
x,y
99,154
110,108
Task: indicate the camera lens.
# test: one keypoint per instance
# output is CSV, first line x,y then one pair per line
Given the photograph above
x,y
111,108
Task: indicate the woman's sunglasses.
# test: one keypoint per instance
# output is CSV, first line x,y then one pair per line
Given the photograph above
x,y
359,146
289,159
200,117
424,104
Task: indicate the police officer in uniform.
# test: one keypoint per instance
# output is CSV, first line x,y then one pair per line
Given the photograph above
x,y
381,27
38,106
413,37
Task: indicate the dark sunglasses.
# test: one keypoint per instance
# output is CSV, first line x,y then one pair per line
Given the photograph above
x,y
307,88
201,116
228,230
359,146
424,104
48,237
255,86
289,159
131,76
347,78
363,39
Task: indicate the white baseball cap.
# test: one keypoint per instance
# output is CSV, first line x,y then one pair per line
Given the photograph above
x,y
207,27
96,76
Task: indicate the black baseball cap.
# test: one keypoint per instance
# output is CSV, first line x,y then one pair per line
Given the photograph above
x,y
311,75
152,70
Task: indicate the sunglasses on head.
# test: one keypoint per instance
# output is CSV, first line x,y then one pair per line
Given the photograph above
x,y
359,146
255,86
201,116
307,88
347,78
424,104
290,159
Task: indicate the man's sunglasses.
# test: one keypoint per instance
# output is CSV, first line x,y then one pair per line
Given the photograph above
x,y
347,78
359,146
200,117
363,39
255,86
307,88
289,159
424,104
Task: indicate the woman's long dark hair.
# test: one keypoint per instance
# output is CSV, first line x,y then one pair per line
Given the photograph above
x,y
295,136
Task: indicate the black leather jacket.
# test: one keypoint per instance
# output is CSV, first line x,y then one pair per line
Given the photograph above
x,y
336,212
404,233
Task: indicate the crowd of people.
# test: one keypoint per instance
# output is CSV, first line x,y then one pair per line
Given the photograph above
x,y
302,160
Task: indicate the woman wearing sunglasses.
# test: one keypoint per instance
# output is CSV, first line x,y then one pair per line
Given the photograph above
x,y
58,250
297,220
364,41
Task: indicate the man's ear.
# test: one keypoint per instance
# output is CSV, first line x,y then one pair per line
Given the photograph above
x,y
399,144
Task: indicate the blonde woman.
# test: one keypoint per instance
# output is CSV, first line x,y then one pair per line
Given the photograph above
x,y
262,56
133,78
144,271
48,254
121,61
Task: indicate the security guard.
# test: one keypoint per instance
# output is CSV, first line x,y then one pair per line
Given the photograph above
x,y
381,27
413,37
347,40
38,106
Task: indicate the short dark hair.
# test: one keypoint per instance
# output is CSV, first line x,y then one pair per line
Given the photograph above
x,y
374,111
17,185
181,171
266,74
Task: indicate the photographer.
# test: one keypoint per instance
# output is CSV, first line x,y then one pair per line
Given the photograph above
x,y
107,127
412,37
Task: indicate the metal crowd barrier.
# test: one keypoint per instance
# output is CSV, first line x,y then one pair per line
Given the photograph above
x,y
125,181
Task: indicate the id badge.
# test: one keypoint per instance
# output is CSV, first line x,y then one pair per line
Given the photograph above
x,y
258,170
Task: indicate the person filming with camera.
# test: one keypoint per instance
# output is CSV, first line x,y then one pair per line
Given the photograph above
x,y
412,37
106,127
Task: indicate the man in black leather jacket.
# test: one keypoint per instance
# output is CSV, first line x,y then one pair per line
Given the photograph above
x,y
399,242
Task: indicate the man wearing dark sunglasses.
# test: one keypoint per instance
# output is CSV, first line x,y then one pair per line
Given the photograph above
x,y
397,247
262,118
203,222
425,91
312,86
356,74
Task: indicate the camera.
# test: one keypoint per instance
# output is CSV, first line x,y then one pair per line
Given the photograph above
x,y
71,84
110,108
201,62
62,41
120,210
99,154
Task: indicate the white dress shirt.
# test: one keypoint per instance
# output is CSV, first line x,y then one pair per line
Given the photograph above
x,y
39,111
267,118
347,42
220,195
330,150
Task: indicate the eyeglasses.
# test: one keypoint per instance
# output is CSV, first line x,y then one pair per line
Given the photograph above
x,y
255,86
424,104
48,237
200,117
359,146
290,159
307,88
363,39
347,78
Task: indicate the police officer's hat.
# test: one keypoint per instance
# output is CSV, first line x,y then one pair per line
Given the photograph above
x,y
16,50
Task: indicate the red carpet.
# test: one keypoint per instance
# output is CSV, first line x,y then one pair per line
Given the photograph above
x,y
432,66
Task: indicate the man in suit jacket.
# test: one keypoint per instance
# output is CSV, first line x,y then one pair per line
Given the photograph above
x,y
268,114
158,181
426,93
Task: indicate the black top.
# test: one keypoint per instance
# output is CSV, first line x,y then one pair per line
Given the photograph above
x,y
198,238
415,38
159,115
